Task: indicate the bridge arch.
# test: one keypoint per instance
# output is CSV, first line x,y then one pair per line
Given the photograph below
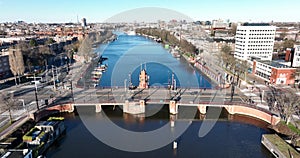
x,y
253,112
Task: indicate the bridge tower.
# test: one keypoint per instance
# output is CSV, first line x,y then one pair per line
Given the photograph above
x,y
144,84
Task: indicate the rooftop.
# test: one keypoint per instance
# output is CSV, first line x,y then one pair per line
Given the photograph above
x,y
15,153
256,24
275,64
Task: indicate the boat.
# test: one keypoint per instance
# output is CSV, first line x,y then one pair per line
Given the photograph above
x,y
175,53
131,33
97,72
44,134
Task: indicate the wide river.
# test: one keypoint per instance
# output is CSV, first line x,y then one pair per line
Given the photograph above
x,y
230,136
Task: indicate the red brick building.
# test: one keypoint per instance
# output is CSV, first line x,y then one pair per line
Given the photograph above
x,y
274,72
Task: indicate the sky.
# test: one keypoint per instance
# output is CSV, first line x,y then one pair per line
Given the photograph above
x,y
61,11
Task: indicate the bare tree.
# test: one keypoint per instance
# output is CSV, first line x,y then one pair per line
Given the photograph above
x,y
284,33
85,48
13,63
20,61
288,44
233,28
16,63
287,103
9,103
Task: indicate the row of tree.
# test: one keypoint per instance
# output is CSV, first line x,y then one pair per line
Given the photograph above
x,y
286,102
168,37
93,38
235,66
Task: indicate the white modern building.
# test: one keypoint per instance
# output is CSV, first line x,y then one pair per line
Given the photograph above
x,y
296,57
254,40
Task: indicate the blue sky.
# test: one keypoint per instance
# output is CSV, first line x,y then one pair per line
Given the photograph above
x,y
99,10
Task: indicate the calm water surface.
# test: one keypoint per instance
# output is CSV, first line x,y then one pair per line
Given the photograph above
x,y
232,136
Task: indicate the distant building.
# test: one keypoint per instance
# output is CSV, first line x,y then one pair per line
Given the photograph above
x,y
274,72
4,66
219,25
83,24
254,40
293,55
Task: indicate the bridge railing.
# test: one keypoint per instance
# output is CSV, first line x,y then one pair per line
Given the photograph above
x,y
151,87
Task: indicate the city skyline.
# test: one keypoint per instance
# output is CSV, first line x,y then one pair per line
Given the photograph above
x,y
96,11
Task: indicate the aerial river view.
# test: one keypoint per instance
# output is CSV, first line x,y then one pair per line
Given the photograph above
x,y
231,136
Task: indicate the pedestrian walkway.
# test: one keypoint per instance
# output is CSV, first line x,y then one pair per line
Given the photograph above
x,y
12,127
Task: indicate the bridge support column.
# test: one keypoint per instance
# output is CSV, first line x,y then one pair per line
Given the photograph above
x,y
134,108
173,118
173,107
142,106
98,108
126,107
72,107
202,109
230,109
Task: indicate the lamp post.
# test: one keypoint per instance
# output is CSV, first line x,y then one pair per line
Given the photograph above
x,y
72,91
36,97
66,59
54,86
34,75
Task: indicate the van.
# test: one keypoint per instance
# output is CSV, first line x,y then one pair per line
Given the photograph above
x,y
35,82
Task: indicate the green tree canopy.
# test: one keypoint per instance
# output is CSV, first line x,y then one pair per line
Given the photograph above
x,y
33,43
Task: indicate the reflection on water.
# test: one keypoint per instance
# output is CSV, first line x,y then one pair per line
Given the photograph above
x,y
231,136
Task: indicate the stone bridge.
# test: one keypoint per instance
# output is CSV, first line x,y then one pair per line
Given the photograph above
x,y
140,108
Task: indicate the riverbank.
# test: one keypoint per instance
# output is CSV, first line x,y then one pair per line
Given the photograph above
x,y
278,147
214,77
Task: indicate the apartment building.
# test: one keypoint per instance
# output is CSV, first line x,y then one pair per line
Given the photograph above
x,y
4,66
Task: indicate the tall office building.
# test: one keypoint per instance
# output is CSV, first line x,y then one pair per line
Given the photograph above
x,y
254,40
83,24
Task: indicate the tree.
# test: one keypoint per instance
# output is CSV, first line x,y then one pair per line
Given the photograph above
x,y
50,41
284,33
226,58
288,44
243,67
85,48
287,103
233,28
277,46
226,49
20,61
33,43
16,63
9,103
69,49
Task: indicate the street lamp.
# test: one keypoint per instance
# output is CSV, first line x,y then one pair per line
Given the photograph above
x,y
54,86
72,91
66,59
36,98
